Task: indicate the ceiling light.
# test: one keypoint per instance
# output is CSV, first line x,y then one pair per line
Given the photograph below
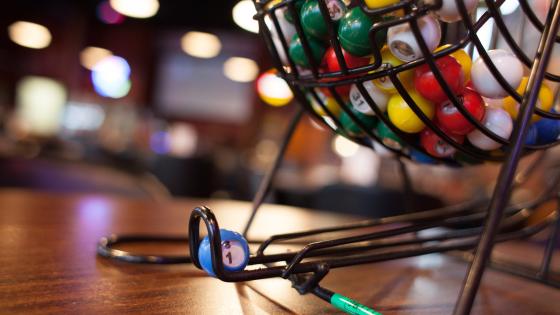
x,y
90,56
241,69
30,35
201,45
243,13
139,9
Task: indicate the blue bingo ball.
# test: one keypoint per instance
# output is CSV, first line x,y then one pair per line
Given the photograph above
x,y
421,157
548,130
531,138
235,252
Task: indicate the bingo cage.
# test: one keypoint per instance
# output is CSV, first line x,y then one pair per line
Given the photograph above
x,y
399,77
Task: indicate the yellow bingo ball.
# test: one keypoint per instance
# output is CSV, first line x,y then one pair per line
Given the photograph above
x,y
403,117
388,60
462,58
375,4
330,103
545,101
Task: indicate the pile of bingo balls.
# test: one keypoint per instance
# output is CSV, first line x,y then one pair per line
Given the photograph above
x,y
472,83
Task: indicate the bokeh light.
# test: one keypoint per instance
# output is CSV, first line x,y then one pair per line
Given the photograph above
x,y
201,45
91,55
140,9
240,69
111,77
108,15
243,13
30,35
344,147
40,104
273,90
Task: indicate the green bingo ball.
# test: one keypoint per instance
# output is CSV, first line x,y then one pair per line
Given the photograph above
x,y
388,137
312,20
353,32
297,53
288,15
352,128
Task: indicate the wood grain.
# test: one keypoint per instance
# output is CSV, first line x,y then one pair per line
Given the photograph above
x,y
49,266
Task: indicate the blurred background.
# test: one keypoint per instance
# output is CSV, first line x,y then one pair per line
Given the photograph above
x,y
154,99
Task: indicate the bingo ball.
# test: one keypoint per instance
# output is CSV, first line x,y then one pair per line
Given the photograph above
x,y
403,44
544,102
353,32
403,117
388,60
288,15
352,127
235,252
436,146
420,157
388,137
496,120
450,13
462,58
548,130
297,53
351,61
359,102
428,86
450,118
312,20
376,4
288,31
532,135
507,64
330,103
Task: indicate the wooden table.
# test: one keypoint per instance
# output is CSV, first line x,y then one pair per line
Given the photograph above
x,y
48,264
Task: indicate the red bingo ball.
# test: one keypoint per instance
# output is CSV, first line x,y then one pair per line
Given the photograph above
x,y
436,146
427,85
351,60
450,118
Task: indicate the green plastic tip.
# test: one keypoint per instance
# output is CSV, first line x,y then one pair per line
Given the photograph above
x,y
350,306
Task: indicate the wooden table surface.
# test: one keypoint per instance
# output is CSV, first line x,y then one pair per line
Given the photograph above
x,y
48,265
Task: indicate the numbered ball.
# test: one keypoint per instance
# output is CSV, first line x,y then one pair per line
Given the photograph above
x,y
403,44
360,103
351,61
451,119
312,19
544,101
496,120
428,86
462,58
450,13
288,31
235,252
507,64
388,137
548,130
288,14
388,60
376,4
403,117
420,157
297,53
532,135
324,101
353,32
436,146
352,127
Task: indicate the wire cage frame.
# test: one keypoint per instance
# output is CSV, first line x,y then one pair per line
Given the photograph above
x,y
491,219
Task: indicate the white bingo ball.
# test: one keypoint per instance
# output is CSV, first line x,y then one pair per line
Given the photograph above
x,y
403,44
381,150
359,102
450,13
507,64
496,120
